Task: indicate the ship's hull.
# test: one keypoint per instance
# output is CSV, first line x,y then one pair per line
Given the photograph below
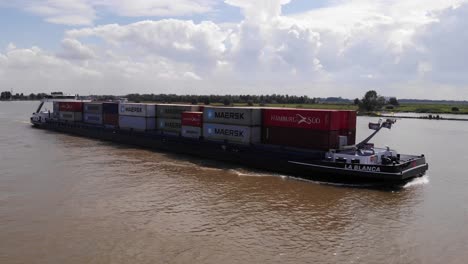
x,y
299,163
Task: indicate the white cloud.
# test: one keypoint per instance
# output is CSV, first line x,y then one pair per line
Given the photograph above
x,y
75,50
68,12
36,64
85,12
138,8
259,10
201,45
400,48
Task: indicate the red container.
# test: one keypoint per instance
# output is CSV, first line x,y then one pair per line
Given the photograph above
x,y
302,118
347,120
194,119
71,106
301,138
352,119
111,119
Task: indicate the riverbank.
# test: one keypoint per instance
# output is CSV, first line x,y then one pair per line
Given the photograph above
x,y
402,108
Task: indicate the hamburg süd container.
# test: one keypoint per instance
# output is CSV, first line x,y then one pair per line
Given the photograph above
x,y
110,108
191,132
141,110
242,116
71,106
174,110
327,120
92,118
138,123
110,120
194,119
92,108
70,116
347,120
169,125
352,120
301,138
232,133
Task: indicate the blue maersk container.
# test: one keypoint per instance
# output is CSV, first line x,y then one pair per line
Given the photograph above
x,y
110,108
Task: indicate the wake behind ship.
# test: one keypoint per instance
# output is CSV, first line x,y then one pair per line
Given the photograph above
x,y
306,143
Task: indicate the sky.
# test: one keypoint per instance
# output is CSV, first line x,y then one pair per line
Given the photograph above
x,y
320,48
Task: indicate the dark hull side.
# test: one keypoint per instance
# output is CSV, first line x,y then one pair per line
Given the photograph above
x,y
294,162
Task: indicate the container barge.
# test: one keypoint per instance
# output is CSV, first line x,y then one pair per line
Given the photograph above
x,y
303,143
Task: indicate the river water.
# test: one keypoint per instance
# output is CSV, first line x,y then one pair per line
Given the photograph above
x,y
65,199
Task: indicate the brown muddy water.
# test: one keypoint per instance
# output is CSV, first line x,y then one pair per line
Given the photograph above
x,y
65,199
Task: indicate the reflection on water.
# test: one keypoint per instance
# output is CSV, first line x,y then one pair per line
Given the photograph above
x,y
65,199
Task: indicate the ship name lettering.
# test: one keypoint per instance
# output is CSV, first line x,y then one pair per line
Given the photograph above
x,y
363,168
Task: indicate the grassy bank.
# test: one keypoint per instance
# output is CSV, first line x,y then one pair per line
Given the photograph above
x,y
412,108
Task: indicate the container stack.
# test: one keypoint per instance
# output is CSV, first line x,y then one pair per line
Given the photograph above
x,y
192,124
303,128
233,125
92,113
110,115
348,126
138,117
169,117
71,111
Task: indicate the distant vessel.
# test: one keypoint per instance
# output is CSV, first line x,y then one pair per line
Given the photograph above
x,y
305,143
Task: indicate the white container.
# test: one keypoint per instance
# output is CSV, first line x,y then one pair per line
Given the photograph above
x,y
92,108
70,116
92,118
142,110
242,116
138,123
174,110
233,134
191,132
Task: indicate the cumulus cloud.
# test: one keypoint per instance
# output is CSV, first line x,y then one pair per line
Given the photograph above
x,y
181,41
85,12
400,48
260,10
36,64
75,50
68,12
166,8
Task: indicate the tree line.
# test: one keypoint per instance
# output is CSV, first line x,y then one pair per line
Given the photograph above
x,y
371,101
223,99
7,95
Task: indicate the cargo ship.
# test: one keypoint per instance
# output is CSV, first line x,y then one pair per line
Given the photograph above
x,y
303,143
